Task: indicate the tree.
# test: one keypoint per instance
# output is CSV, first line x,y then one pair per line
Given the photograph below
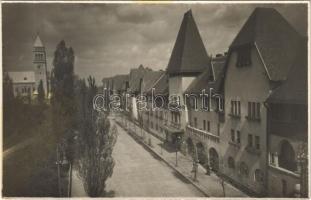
x,y
41,93
96,142
63,101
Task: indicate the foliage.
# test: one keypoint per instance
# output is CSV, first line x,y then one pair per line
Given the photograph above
x,y
96,141
41,93
63,102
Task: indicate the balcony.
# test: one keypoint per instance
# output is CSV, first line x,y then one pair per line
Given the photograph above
x,y
175,125
253,150
255,119
202,134
234,116
235,144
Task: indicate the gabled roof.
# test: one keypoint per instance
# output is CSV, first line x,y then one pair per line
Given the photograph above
x,y
149,80
22,77
136,75
189,54
295,89
160,86
119,81
276,40
210,78
38,42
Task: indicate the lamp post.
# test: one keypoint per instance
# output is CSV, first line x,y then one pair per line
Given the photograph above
x,y
195,164
176,145
303,165
60,161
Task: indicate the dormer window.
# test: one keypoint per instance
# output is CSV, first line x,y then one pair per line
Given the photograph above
x,y
244,56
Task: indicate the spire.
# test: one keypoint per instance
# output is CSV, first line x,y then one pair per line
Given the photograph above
x,y
38,42
189,54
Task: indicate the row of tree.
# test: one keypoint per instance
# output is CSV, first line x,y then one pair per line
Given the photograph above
x,y
87,133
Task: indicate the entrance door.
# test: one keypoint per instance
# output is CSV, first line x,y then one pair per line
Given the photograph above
x,y
214,159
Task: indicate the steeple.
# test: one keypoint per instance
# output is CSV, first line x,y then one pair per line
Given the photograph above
x,y
189,55
38,42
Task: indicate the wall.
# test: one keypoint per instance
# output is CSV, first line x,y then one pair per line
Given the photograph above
x,y
245,84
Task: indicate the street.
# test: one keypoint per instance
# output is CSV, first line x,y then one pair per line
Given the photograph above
x,y
138,174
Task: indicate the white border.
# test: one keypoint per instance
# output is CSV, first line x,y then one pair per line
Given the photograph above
x,y
166,2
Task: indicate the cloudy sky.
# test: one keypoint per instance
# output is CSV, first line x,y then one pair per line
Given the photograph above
x,y
111,39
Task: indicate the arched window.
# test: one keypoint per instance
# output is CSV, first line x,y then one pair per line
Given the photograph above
x,y
243,169
287,156
231,163
258,175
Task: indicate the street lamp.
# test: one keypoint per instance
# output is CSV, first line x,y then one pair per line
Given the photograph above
x,y
303,168
60,161
176,145
195,164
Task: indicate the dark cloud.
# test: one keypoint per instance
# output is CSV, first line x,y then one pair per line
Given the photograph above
x,y
110,39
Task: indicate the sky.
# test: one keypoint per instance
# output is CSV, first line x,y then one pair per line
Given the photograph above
x,y
110,39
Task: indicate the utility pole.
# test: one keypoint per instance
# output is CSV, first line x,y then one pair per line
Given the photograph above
x,y
58,162
70,179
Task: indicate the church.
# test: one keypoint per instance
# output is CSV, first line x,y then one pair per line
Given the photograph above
x,y
26,83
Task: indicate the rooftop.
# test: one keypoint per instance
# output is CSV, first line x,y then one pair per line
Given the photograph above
x,y
276,40
189,54
22,77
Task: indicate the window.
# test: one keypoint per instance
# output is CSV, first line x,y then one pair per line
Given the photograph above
x,y
195,122
231,163
16,90
151,124
236,108
238,137
253,110
243,169
244,56
257,142
208,126
250,140
258,175
232,135
220,104
204,125
157,127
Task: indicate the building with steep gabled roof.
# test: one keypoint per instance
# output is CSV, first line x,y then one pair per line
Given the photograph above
x,y
189,55
288,131
259,60
274,38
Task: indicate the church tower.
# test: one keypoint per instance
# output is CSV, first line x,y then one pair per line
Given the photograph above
x,y
40,65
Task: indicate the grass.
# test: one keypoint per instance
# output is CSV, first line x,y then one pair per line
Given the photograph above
x,y
32,172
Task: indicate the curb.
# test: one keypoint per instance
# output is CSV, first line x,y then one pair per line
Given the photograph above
x,y
149,149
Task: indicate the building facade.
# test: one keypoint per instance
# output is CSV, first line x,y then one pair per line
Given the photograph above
x,y
26,83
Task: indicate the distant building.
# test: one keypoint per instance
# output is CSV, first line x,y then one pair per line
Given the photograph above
x,y
25,83
204,127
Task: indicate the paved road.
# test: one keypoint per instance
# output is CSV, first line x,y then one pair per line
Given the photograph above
x,y
77,188
8,152
138,174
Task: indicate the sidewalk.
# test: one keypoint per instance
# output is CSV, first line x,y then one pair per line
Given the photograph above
x,y
77,188
208,184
